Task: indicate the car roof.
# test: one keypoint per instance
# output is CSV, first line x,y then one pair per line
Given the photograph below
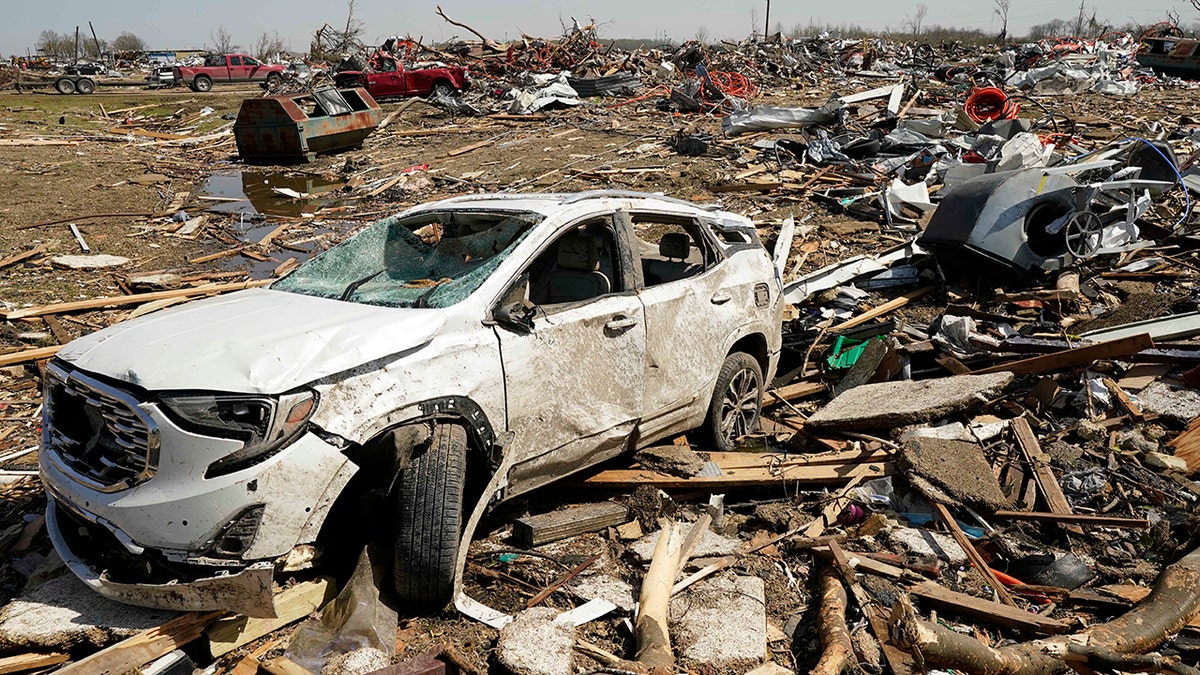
x,y
548,203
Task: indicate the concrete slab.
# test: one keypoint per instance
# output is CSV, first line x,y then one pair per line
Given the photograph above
x,y
605,587
893,404
1172,400
926,542
710,545
88,262
534,644
955,468
64,614
722,623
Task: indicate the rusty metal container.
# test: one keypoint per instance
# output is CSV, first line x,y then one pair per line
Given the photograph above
x,y
298,127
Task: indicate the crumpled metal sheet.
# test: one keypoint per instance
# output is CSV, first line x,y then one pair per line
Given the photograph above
x,y
767,117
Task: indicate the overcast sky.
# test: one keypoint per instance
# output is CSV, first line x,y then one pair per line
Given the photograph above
x,y
189,24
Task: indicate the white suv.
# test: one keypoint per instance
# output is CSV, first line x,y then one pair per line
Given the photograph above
x,y
191,454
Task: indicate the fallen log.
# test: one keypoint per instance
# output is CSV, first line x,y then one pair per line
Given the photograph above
x,y
837,651
1170,605
670,553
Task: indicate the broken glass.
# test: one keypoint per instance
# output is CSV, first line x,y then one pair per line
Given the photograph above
x,y
433,259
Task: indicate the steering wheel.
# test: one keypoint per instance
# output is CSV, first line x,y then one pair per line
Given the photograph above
x,y
1083,233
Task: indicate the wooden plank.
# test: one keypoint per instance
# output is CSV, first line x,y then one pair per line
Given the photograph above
x,y
132,653
900,661
23,142
555,525
794,392
23,662
1130,406
136,298
986,610
750,477
885,308
972,554
468,148
24,255
1077,518
1080,356
29,355
291,604
1186,446
1047,484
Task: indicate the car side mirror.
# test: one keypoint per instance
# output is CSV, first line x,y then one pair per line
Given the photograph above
x,y
517,316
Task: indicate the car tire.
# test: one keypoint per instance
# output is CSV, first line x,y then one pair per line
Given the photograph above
x,y
736,402
64,85
272,80
85,86
202,83
429,513
442,88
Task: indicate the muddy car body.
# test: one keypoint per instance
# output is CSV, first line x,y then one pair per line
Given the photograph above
x,y
191,454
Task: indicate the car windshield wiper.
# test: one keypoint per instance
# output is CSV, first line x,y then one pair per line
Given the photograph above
x,y
356,284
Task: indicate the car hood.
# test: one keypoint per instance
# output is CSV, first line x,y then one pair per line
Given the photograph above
x,y
254,341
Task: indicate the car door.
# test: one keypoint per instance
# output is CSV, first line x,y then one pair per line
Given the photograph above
x,y
691,311
252,69
573,376
389,81
235,71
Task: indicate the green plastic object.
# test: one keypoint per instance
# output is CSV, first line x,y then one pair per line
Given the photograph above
x,y
846,353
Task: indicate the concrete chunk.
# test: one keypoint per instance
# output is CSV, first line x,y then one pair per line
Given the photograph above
x,y
926,542
1171,400
893,404
722,623
88,262
710,545
534,644
64,614
955,468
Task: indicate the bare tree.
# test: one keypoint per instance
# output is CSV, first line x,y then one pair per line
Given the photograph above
x,y
128,42
753,22
1079,20
222,41
268,46
1001,10
55,45
918,18
702,35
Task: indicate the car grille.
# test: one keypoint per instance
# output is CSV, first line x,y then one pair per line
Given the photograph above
x,y
97,432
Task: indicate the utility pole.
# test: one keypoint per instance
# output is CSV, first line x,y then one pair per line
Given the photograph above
x,y
99,55
76,45
767,24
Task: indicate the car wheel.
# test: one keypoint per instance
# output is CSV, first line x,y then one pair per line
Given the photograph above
x,y
202,83
64,86
273,80
736,402
441,89
85,86
429,509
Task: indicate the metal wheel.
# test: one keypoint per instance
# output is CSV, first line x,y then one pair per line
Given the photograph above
x,y
739,405
440,89
1083,232
85,86
64,85
202,83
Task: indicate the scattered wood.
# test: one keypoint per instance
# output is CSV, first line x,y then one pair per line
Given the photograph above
x,y
24,255
885,308
291,604
469,148
900,662
794,392
547,527
564,578
26,142
132,653
1075,518
986,610
28,355
973,555
1079,356
763,474
1043,475
137,298
26,662
650,628
1186,446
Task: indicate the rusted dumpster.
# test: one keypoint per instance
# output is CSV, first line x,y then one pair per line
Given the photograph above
x,y
298,127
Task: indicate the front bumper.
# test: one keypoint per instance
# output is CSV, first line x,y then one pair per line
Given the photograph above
x,y
247,592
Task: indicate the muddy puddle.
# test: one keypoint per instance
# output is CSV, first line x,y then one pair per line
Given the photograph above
x,y
270,194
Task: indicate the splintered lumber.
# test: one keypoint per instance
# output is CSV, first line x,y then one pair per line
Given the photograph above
x,y
27,355
650,629
562,579
839,502
900,662
136,298
1075,518
25,662
1079,356
1129,405
291,604
1186,446
547,527
750,474
973,555
837,651
1043,475
132,653
794,392
986,610
468,148
885,308
24,255
1173,601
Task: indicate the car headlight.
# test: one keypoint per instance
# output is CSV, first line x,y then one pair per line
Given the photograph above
x,y
265,424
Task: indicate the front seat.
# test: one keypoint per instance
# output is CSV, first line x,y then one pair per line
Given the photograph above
x,y
577,274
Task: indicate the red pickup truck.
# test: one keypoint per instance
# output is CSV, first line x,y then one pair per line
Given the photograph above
x,y
227,68
390,78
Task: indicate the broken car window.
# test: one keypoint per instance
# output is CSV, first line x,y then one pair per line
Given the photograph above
x,y
670,249
579,266
432,259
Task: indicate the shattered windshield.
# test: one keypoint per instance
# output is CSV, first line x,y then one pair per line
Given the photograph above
x,y
432,259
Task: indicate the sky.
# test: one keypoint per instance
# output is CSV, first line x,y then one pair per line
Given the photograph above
x,y
184,25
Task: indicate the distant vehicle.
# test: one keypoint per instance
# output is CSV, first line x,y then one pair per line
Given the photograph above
x,y
299,72
162,75
85,69
392,78
228,68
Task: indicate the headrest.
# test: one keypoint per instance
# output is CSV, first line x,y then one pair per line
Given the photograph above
x,y
675,245
579,251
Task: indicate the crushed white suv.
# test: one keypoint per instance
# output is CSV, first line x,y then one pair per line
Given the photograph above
x,y
511,340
